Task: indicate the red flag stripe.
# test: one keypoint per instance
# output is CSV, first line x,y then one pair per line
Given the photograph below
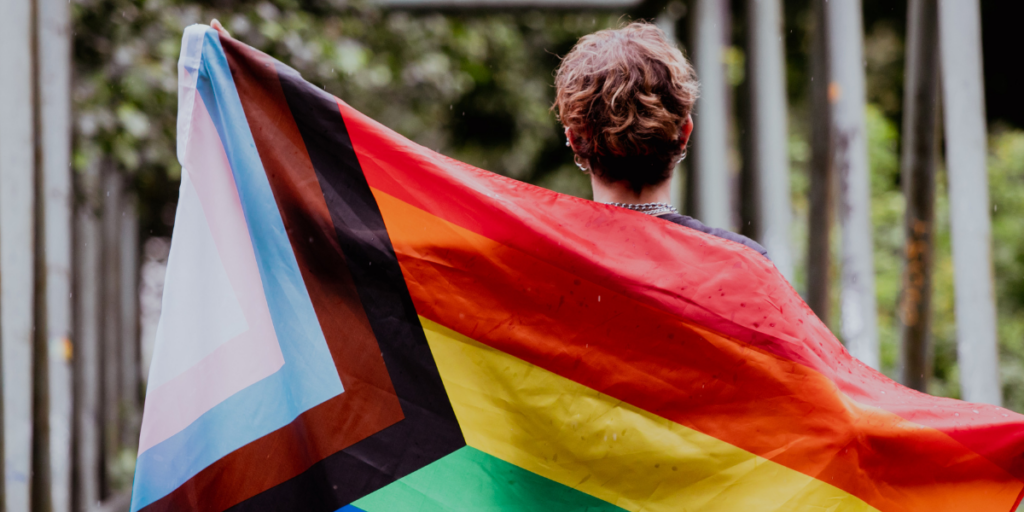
x,y
707,280
753,399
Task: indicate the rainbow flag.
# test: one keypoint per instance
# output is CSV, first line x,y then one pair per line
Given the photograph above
x,y
354,322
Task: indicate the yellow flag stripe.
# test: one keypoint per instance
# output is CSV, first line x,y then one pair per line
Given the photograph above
x,y
586,440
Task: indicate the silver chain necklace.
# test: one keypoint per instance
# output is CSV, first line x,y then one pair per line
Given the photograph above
x,y
652,209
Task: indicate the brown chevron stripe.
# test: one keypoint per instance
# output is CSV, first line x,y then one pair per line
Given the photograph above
x,y
371,434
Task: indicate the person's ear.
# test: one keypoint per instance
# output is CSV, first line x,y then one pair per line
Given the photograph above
x,y
570,139
685,130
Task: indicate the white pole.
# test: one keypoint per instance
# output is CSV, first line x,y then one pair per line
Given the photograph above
x,y
844,29
666,21
713,202
16,246
966,147
769,130
55,87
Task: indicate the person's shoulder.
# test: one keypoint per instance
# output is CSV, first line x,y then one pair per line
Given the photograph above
x,y
685,220
692,223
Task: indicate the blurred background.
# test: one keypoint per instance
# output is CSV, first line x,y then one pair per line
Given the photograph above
x,y
854,139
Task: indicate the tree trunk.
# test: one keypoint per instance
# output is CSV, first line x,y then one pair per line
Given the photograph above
x,y
130,391
40,499
87,437
110,360
822,189
920,120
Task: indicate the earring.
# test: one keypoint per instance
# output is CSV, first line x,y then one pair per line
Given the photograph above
x,y
576,158
681,158
567,143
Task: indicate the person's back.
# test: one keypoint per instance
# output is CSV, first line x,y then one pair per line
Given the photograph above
x,y
625,97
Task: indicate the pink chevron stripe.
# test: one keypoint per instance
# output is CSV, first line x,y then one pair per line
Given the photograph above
x,y
246,358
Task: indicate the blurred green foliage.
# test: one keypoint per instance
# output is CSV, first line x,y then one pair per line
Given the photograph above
x,y
887,211
1006,188
477,87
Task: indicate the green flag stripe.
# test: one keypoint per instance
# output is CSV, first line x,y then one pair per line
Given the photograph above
x,y
472,481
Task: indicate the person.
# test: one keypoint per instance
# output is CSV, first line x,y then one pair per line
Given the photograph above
x,y
624,97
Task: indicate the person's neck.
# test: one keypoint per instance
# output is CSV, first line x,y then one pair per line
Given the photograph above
x,y
621,192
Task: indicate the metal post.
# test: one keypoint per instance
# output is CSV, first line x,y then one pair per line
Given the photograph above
x,y
667,21
55,88
87,459
844,28
17,168
920,119
711,201
966,148
822,177
769,130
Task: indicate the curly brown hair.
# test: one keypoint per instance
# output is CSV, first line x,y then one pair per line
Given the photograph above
x,y
625,94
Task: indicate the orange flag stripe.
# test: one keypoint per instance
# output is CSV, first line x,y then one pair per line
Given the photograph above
x,y
713,383
709,281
